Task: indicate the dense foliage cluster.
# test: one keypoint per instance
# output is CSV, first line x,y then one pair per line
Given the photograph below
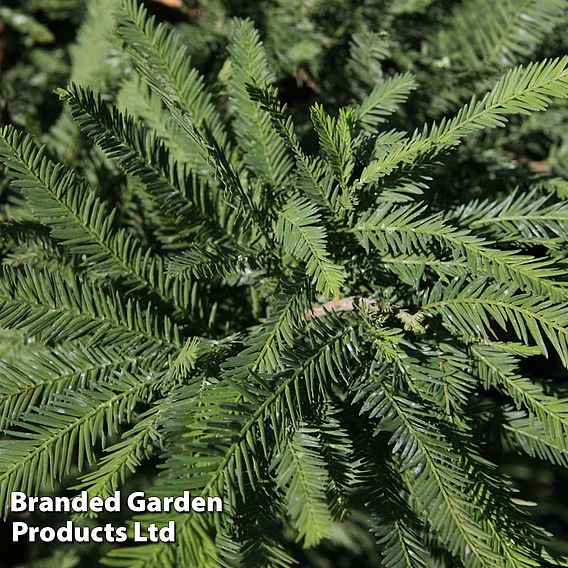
x,y
286,253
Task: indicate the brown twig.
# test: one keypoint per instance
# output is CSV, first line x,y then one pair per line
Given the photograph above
x,y
341,305
411,322
170,3
535,166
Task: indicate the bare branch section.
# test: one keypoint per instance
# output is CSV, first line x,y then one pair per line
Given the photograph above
x,y
170,3
342,305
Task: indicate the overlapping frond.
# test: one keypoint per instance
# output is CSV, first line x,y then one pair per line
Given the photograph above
x,y
80,221
232,430
299,230
42,448
138,100
343,468
477,529
397,528
521,91
258,530
178,192
302,475
264,150
481,34
123,458
406,230
336,138
476,310
527,434
311,170
58,308
441,481
383,101
161,55
44,373
267,344
210,261
498,369
524,219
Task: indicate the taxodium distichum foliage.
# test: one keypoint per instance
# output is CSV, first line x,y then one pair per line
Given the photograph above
x,y
316,335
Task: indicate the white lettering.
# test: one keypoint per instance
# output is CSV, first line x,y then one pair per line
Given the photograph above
x,y
96,504
47,534
214,504
18,529
136,502
32,502
112,503
181,504
95,534
154,505
65,533
57,504
18,501
198,504
138,533
33,531
79,503
168,533
121,534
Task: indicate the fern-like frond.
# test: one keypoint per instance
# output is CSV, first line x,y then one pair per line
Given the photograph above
x,y
498,369
383,101
528,435
142,556
267,343
50,440
367,51
299,230
28,242
521,91
237,196
209,261
124,457
440,482
96,35
139,153
413,269
397,528
312,173
138,100
258,530
525,219
63,308
478,529
336,138
471,310
224,438
160,53
405,230
44,373
344,470
264,151
481,34
80,221
302,475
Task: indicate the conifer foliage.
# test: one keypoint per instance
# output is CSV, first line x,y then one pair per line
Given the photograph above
x,y
302,333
